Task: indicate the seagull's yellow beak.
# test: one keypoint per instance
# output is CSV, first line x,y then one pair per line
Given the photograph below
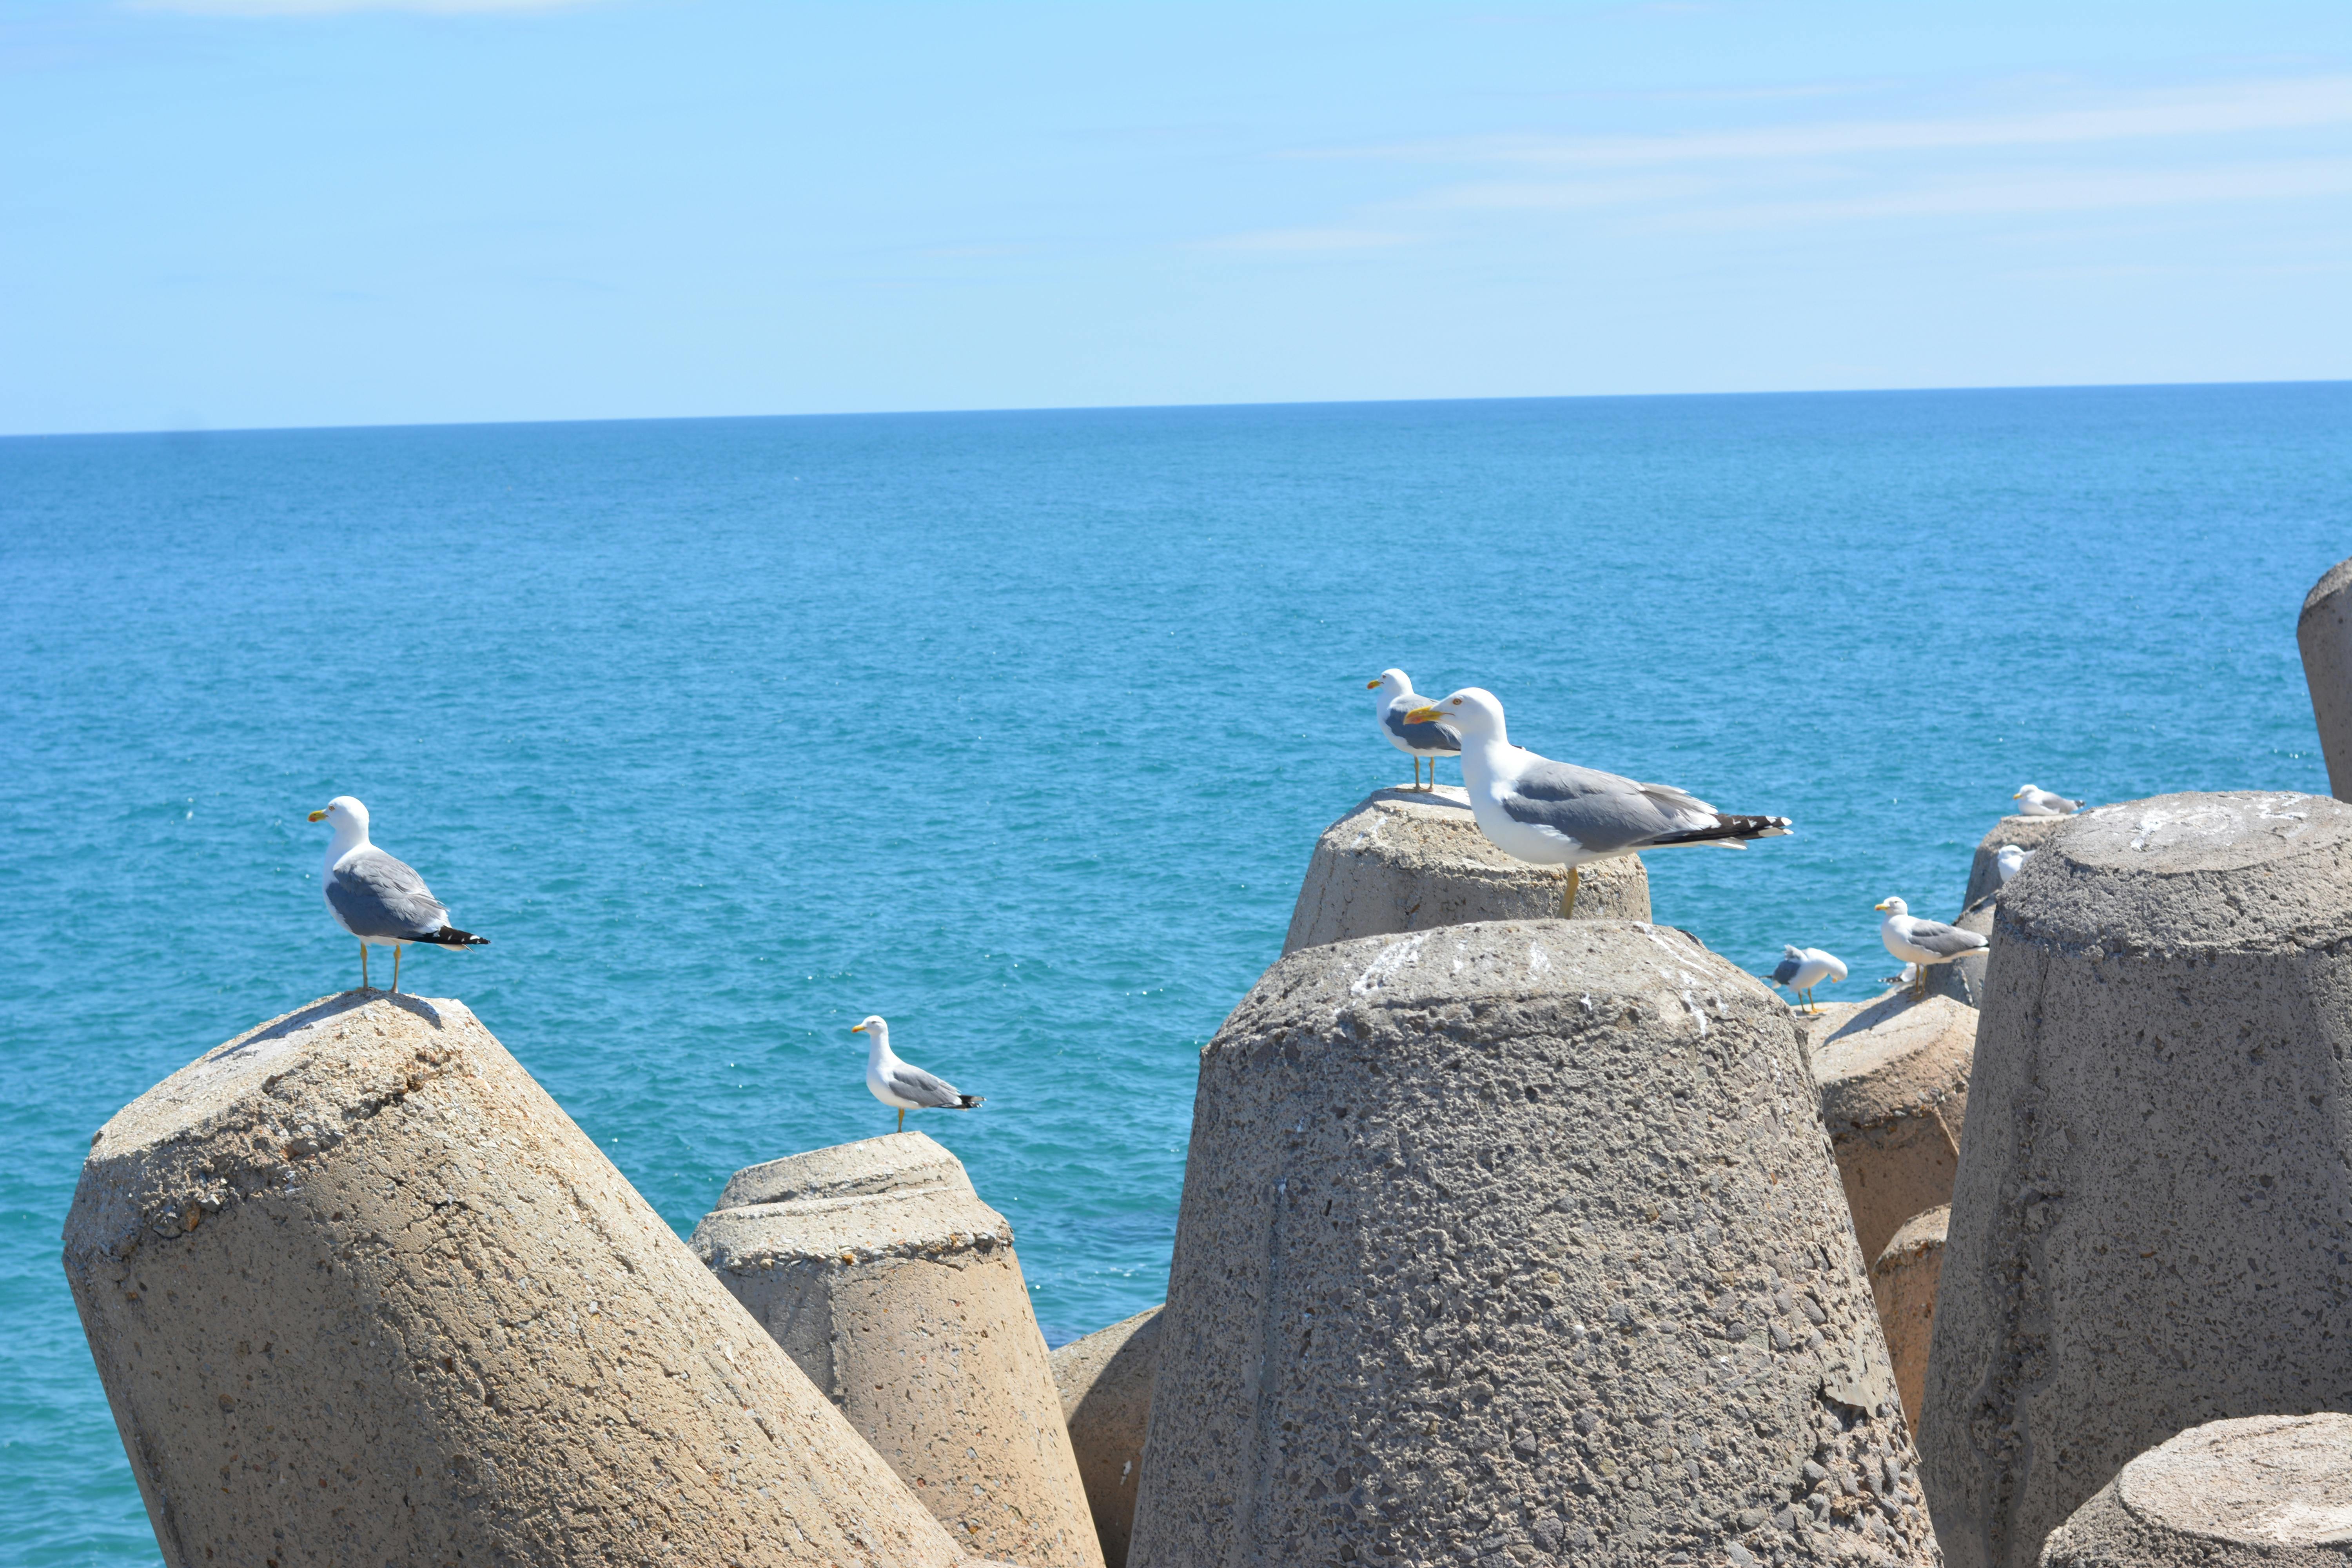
x,y
856,1028
1370,685
1423,715
1879,906
2019,796
318,816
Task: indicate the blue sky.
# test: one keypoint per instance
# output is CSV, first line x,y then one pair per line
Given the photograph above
x,y
223,213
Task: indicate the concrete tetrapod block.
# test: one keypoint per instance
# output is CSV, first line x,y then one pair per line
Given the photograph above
x,y
359,1292
2262,1492
1518,1242
1903,1284
1105,1381
2150,1223
1895,1095
1963,979
1406,860
2324,632
878,1269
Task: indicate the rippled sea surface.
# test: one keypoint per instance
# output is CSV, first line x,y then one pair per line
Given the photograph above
x,y
1018,729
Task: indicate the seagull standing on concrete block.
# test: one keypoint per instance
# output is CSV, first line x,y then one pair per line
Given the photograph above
x,y
378,898
1428,739
1557,813
1922,942
1802,968
900,1086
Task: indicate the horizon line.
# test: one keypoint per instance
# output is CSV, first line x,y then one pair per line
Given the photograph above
x,y
1154,407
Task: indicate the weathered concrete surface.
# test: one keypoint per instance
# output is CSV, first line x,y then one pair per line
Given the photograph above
x,y
2150,1226
1895,1095
1517,1241
878,1269
1405,860
1105,1381
2263,1492
2324,632
361,1292
1903,1284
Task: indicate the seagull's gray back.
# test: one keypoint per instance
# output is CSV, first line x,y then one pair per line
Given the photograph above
x,y
374,894
1429,735
1601,811
1787,971
1943,940
913,1083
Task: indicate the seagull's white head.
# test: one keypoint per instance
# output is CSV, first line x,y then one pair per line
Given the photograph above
x,y
1894,907
1392,682
874,1029
345,814
1473,713
2024,790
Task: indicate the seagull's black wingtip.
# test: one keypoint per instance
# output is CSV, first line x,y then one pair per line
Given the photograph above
x,y
966,1101
450,936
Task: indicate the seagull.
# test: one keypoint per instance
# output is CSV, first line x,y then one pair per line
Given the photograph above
x,y
1923,942
2009,860
376,898
1397,698
906,1087
2042,803
1806,967
1557,813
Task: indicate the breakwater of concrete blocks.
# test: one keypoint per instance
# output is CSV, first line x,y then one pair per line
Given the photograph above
x,y
2262,1492
2149,1225
881,1273
1518,1240
1105,1379
1407,860
359,1291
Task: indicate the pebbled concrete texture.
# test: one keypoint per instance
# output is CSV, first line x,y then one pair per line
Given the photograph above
x,y
2262,1492
878,1269
2150,1226
1903,1284
1518,1242
1894,1097
360,1292
1405,860
1105,1380
2324,632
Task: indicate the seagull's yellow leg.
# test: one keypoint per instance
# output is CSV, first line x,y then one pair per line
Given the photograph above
x,y
1567,893
364,975
902,1118
396,951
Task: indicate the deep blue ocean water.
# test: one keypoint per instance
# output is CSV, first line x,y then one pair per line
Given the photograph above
x,y
1018,729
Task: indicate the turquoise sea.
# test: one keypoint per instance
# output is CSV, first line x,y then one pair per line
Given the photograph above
x,y
1018,729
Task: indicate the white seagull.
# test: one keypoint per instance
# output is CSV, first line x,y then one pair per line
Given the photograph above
x,y
902,1087
2042,803
1922,942
376,898
2009,859
1802,968
1557,813
1397,697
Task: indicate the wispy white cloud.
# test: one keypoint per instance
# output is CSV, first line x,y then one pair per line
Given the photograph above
x,y
343,8
2083,191
1309,239
2264,105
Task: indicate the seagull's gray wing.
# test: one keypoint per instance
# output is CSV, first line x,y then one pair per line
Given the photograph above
x,y
1787,971
1426,736
1943,940
375,895
1601,811
913,1083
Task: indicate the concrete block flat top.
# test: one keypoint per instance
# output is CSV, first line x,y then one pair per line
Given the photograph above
x,y
2168,873
1895,1058
896,1162
2272,1490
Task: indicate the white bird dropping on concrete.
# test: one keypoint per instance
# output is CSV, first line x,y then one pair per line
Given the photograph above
x,y
1802,968
1922,942
900,1086
376,898
2033,802
1557,813
2010,859
1427,738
